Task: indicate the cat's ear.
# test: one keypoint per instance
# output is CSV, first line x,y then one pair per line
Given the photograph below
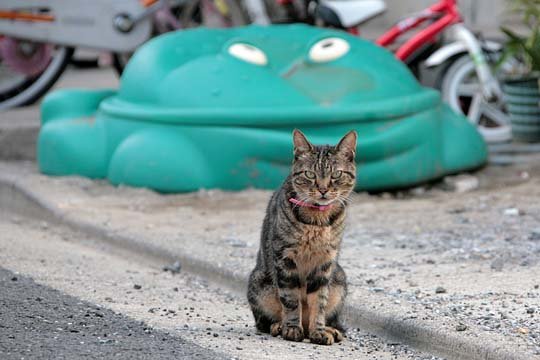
x,y
347,145
301,143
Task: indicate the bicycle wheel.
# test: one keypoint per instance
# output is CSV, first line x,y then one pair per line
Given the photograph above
x,y
28,69
461,89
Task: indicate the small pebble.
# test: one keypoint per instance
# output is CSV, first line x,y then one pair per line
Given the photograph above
x,y
461,327
497,264
137,287
512,212
14,278
535,235
440,290
530,310
174,268
461,183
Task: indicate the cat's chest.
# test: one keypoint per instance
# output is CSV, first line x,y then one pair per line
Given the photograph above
x,y
315,245
311,236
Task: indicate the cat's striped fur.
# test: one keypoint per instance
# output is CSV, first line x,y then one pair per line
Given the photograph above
x,y
297,288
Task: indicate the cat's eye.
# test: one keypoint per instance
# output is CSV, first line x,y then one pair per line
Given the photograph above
x,y
248,53
310,174
328,49
337,174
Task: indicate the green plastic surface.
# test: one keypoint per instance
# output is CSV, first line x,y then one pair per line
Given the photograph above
x,y
189,115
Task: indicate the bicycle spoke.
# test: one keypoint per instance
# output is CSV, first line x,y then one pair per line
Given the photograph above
x,y
476,109
496,115
468,90
9,79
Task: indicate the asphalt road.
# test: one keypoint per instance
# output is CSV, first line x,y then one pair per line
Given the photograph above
x,y
38,322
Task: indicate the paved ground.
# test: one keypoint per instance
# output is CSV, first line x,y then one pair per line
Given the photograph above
x,y
42,323
130,308
465,265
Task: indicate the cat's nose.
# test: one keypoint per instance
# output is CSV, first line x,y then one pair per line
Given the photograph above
x,y
323,191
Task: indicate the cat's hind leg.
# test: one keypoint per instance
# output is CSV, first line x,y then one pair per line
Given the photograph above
x,y
264,302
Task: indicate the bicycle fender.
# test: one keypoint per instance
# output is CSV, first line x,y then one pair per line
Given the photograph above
x,y
455,48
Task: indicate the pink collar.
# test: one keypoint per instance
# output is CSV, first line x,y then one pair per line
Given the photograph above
x,y
305,204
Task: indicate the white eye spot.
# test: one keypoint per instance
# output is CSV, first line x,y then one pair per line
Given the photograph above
x,y
328,49
248,53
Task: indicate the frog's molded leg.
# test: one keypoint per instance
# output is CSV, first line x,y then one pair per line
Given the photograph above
x,y
163,159
71,140
72,104
73,146
464,147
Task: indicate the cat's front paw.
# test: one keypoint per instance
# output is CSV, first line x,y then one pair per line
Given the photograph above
x,y
275,329
325,336
292,333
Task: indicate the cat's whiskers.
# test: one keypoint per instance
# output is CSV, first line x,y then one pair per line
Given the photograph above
x,y
341,201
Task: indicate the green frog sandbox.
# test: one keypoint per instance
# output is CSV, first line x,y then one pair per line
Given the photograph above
x,y
215,108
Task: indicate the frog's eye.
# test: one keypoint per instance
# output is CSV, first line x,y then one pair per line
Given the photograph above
x,y
248,53
328,49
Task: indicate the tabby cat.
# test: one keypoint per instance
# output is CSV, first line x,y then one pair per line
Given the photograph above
x,y
297,288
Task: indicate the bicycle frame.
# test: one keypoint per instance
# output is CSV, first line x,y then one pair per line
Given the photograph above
x,y
448,14
119,25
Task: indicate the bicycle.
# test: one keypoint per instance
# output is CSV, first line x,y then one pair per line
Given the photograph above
x,y
37,38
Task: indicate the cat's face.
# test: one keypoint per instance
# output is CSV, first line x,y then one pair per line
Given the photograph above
x,y
323,174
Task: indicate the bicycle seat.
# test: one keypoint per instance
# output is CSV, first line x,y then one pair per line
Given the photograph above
x,y
349,13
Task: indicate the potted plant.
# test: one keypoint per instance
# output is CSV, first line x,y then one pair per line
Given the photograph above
x,y
521,89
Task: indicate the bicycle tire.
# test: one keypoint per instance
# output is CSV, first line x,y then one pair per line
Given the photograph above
x,y
460,68
34,88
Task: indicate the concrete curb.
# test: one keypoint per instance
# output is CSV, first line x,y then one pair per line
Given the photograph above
x,y
18,140
18,198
